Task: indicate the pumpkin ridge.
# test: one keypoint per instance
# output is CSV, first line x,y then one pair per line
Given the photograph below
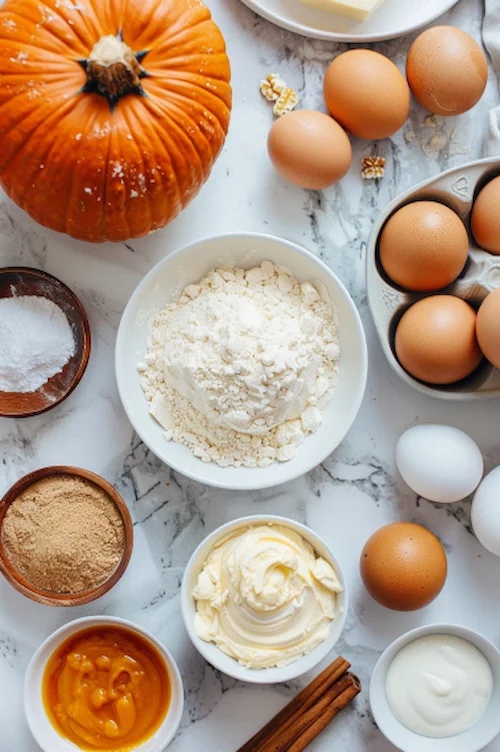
x,y
183,30
190,79
97,10
24,21
69,198
56,9
114,144
38,125
127,116
171,179
72,219
73,27
198,129
56,58
18,154
105,187
178,64
170,137
175,134
43,26
177,95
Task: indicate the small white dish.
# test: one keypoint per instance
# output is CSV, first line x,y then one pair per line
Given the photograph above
x,y
165,282
40,726
393,19
225,663
473,740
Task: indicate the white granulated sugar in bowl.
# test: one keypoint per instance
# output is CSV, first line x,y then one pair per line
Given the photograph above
x,y
36,342
240,368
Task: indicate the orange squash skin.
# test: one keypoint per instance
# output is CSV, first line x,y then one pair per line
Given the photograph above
x,y
79,166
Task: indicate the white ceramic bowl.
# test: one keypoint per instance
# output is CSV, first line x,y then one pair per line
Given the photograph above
x,y
224,662
166,281
38,722
485,730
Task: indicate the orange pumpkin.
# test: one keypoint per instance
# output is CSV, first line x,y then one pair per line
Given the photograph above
x,y
112,112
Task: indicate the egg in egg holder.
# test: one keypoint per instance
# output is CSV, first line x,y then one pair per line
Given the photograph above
x,y
456,188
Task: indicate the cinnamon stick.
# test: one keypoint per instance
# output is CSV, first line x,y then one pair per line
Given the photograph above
x,y
300,704
282,741
327,716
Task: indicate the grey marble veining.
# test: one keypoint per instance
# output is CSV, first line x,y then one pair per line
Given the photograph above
x,y
346,498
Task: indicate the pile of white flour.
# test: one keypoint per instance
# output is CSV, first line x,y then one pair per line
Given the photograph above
x,y
240,368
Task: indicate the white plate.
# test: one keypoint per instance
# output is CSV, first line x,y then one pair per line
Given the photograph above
x,y
188,265
394,19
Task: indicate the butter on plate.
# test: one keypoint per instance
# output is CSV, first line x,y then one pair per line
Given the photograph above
x,y
357,9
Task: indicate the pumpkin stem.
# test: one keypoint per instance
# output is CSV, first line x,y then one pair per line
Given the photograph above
x,y
113,69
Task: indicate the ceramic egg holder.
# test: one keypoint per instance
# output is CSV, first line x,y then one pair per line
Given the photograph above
x,y
457,189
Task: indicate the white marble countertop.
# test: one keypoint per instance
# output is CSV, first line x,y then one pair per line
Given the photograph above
x,y
354,492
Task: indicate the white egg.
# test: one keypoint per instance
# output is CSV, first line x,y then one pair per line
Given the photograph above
x,y
486,512
439,463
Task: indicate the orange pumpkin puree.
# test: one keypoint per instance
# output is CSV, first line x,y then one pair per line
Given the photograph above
x,y
106,688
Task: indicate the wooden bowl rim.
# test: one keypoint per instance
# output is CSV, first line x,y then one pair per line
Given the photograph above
x,y
85,353
78,599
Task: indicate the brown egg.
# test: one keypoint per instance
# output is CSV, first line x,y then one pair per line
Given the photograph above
x,y
403,566
488,327
309,149
366,93
424,246
447,70
436,340
485,217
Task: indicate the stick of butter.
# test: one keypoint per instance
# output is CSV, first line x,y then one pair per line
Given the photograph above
x,y
357,9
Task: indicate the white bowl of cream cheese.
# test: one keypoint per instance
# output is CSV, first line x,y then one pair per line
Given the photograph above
x,y
198,333
437,688
270,592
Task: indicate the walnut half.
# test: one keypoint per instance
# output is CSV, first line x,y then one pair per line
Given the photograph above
x,y
372,168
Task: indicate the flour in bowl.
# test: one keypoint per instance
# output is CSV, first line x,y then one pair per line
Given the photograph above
x,y
240,368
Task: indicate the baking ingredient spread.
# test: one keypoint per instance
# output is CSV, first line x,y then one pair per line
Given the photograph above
x,y
264,597
439,686
63,534
240,368
36,342
106,688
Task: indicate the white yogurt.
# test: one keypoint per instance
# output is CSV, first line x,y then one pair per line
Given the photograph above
x,y
439,686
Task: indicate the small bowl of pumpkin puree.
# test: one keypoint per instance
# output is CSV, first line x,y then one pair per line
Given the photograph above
x,y
103,683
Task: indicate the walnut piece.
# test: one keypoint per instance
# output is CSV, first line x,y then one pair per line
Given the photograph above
x,y
274,89
372,168
272,86
287,100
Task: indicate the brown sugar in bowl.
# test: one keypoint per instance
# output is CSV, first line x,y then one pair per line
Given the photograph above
x,y
49,598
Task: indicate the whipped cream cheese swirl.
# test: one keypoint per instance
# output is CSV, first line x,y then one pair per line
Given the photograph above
x,y
264,597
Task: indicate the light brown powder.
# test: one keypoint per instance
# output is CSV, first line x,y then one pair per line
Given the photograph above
x,y
64,534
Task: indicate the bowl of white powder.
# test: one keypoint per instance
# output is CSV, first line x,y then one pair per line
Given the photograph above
x,y
44,342
241,361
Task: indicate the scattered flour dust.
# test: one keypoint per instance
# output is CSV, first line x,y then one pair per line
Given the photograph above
x,y
240,368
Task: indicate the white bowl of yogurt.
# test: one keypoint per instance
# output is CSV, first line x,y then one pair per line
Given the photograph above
x,y
437,688
301,449
277,593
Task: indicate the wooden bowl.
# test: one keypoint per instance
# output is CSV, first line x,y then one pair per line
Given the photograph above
x,y
55,599
23,281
